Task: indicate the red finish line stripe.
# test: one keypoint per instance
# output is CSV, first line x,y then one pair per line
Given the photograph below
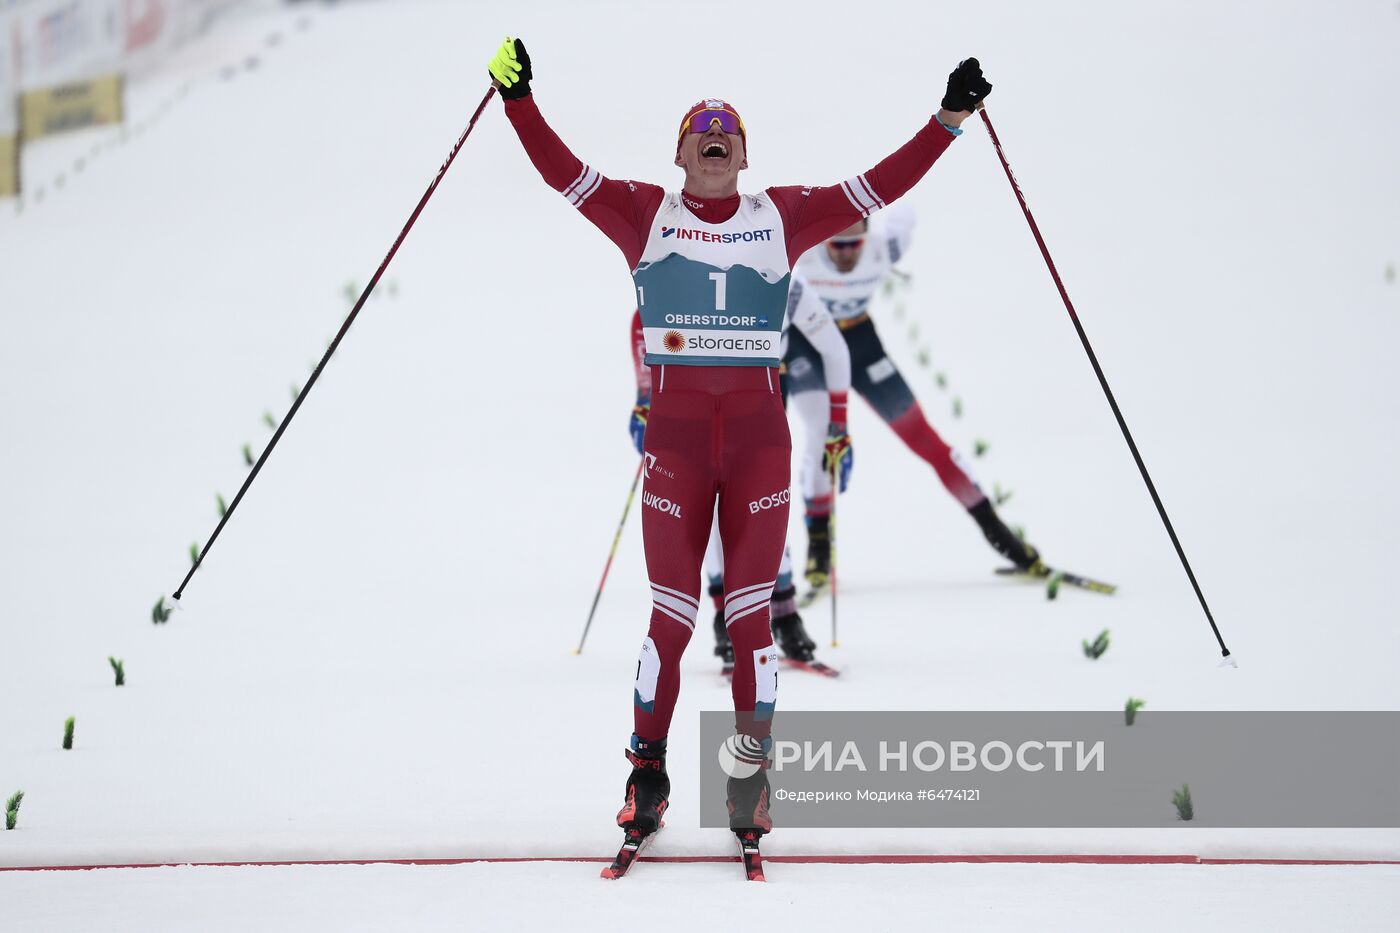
x,y
1295,861
776,859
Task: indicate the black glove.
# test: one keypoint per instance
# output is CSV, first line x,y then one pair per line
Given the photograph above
x,y
510,70
966,86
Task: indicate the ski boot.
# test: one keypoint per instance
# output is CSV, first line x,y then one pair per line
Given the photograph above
x,y
1022,554
748,802
788,630
648,790
818,570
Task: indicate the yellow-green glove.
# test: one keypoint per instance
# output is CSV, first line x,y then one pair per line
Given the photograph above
x,y
510,69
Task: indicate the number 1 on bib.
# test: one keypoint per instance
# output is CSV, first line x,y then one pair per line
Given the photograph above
x,y
718,278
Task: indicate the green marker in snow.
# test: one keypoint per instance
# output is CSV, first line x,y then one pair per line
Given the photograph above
x,y
1100,644
12,809
1181,799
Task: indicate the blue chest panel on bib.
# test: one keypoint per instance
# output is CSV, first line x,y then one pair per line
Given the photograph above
x,y
698,314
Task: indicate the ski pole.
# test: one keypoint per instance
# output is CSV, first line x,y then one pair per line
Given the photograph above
x,y
626,509
831,531
1103,382
316,373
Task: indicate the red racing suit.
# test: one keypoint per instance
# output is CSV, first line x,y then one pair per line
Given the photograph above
x,y
717,435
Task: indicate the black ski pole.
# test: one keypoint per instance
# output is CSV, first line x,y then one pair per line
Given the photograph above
x,y
1108,393
612,552
316,373
831,531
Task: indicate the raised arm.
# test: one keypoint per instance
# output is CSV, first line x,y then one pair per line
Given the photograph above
x,y
810,215
621,209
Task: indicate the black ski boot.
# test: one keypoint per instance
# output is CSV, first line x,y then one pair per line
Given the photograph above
x,y
1022,554
748,803
648,789
724,649
818,550
787,627
747,799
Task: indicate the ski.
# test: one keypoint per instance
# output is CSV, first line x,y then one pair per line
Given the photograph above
x,y
812,667
727,671
748,851
634,841
813,596
1042,572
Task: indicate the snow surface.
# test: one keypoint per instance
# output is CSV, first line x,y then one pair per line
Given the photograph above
x,y
561,896
375,661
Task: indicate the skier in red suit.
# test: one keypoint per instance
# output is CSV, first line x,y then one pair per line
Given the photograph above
x,y
711,269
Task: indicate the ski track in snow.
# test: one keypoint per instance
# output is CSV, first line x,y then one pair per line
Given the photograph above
x,y
704,897
375,660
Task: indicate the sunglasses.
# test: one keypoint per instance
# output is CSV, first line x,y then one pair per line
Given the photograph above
x,y
854,242
702,120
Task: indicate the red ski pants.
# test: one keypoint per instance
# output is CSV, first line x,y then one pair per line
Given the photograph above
x,y
717,438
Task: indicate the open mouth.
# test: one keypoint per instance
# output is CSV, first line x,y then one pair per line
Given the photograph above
x,y
714,149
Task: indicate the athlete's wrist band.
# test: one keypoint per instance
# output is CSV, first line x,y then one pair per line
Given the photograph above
x,y
838,408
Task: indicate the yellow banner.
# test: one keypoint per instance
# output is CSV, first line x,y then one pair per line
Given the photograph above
x,y
70,107
9,166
